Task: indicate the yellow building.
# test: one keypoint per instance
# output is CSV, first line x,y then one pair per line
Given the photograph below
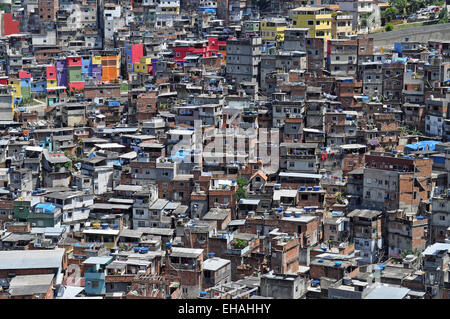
x,y
96,59
143,65
317,19
342,26
52,83
273,30
16,88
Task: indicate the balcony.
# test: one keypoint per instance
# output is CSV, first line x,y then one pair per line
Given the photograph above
x,y
344,51
237,252
413,92
300,156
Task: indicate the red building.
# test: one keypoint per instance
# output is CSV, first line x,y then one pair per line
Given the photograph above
x,y
51,72
75,86
137,51
182,51
24,75
74,61
9,26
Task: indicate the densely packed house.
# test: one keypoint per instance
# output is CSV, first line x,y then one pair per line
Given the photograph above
x,y
211,149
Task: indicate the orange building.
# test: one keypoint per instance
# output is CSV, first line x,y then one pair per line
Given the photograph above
x,y
110,68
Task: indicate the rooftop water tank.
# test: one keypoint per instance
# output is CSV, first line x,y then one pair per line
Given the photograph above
x,y
347,281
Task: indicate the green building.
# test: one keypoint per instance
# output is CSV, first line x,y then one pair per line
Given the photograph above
x,y
39,215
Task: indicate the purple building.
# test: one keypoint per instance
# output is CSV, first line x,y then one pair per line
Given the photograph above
x,y
61,72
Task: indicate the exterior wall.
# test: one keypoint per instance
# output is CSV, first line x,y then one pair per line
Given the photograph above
x,y
440,220
321,26
282,288
434,125
378,186
285,258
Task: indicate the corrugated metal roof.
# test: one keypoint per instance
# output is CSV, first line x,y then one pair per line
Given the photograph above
x,y
30,284
31,259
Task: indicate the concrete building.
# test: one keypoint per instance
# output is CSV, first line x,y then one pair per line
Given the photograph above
x,y
243,58
283,286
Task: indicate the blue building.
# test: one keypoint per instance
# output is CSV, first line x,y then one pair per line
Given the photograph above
x,y
39,86
94,275
86,70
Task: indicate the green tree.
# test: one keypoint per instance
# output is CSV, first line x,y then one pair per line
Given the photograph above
x,y
443,16
68,164
389,27
241,192
390,14
401,5
239,243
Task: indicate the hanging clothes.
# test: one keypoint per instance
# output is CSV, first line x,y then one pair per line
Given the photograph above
x,y
324,157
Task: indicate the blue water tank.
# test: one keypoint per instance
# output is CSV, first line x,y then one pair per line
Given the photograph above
x,y
337,263
143,250
202,293
287,214
316,188
168,244
302,188
211,255
136,249
104,226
